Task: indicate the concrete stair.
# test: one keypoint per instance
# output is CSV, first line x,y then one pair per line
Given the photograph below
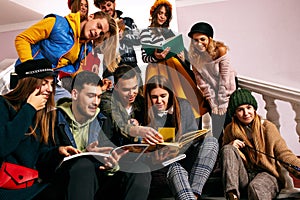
x,y
213,190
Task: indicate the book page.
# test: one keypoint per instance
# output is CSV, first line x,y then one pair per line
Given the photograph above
x,y
135,151
187,137
98,155
184,139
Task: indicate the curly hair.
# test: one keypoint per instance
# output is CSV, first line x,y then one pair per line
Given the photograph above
x,y
158,3
212,52
154,13
97,3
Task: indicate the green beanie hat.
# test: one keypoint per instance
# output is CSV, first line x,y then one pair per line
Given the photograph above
x,y
240,97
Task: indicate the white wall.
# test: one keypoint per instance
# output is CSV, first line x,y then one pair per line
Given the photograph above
x,y
263,35
139,11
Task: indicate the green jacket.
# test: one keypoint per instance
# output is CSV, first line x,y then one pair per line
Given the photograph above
x,y
113,109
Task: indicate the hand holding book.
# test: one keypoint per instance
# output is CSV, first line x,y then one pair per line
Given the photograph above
x,y
184,140
161,54
149,135
68,150
110,161
170,47
109,156
131,154
93,147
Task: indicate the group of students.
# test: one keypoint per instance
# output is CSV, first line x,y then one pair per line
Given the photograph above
x,y
38,131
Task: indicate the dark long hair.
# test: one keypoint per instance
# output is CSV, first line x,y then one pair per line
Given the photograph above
x,y
76,7
155,13
159,81
44,118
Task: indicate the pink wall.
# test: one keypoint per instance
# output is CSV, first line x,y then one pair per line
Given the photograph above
x,y
7,41
263,35
264,41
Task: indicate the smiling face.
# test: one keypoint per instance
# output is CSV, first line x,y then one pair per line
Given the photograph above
x,y
162,16
200,41
83,8
94,28
108,7
47,86
85,102
245,113
127,90
159,98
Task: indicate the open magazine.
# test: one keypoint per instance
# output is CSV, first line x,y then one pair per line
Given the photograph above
x,y
175,43
136,149
136,152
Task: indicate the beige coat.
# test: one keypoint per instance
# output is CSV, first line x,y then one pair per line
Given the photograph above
x,y
270,142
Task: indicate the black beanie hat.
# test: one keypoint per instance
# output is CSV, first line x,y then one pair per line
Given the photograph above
x,y
202,27
39,68
240,97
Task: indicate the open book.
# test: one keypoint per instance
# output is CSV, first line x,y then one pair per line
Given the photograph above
x,y
175,43
136,152
185,139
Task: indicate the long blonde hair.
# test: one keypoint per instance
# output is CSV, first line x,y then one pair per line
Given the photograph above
x,y
108,44
44,118
257,134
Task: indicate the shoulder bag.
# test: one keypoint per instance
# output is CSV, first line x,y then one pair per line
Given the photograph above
x,y
13,176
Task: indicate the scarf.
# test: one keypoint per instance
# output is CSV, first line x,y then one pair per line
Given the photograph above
x,y
239,132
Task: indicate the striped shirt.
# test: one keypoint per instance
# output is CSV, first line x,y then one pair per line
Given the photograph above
x,y
153,36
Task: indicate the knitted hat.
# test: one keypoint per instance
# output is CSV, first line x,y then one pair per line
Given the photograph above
x,y
159,2
202,27
240,97
39,68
